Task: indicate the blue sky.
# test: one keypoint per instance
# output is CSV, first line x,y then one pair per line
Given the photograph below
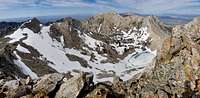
x,y
24,8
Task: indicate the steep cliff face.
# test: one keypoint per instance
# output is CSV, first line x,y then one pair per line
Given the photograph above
x,y
158,31
8,70
68,30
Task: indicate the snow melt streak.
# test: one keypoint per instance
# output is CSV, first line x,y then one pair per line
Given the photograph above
x,y
24,68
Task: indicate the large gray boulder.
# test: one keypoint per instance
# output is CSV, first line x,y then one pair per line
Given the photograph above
x,y
73,87
47,83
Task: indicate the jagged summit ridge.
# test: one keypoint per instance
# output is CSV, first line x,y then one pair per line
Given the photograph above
x,y
108,24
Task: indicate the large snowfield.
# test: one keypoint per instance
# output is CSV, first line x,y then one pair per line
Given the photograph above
x,y
54,51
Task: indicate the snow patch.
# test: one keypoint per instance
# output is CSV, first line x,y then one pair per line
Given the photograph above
x,y
50,48
22,49
99,28
91,42
133,38
62,40
17,35
26,70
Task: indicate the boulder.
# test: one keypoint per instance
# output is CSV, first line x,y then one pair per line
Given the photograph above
x,y
27,96
47,83
75,86
118,86
19,92
102,91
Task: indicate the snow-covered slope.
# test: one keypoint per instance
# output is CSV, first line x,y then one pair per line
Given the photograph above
x,y
54,53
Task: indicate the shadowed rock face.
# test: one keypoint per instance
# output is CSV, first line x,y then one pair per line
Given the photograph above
x,y
33,25
8,70
68,29
158,31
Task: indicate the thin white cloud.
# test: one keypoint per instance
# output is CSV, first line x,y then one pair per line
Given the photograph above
x,y
139,6
16,1
75,3
8,4
160,6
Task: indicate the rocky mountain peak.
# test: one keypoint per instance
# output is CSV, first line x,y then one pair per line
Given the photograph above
x,y
35,20
33,24
67,29
107,23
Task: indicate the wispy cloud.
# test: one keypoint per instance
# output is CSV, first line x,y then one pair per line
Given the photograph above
x,y
158,7
162,6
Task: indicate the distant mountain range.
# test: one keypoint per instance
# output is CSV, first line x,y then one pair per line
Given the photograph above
x,y
171,19
45,19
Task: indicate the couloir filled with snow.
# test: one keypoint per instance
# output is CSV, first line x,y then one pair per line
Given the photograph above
x,y
55,52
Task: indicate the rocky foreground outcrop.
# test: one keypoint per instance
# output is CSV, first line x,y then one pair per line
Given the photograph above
x,y
50,85
63,86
